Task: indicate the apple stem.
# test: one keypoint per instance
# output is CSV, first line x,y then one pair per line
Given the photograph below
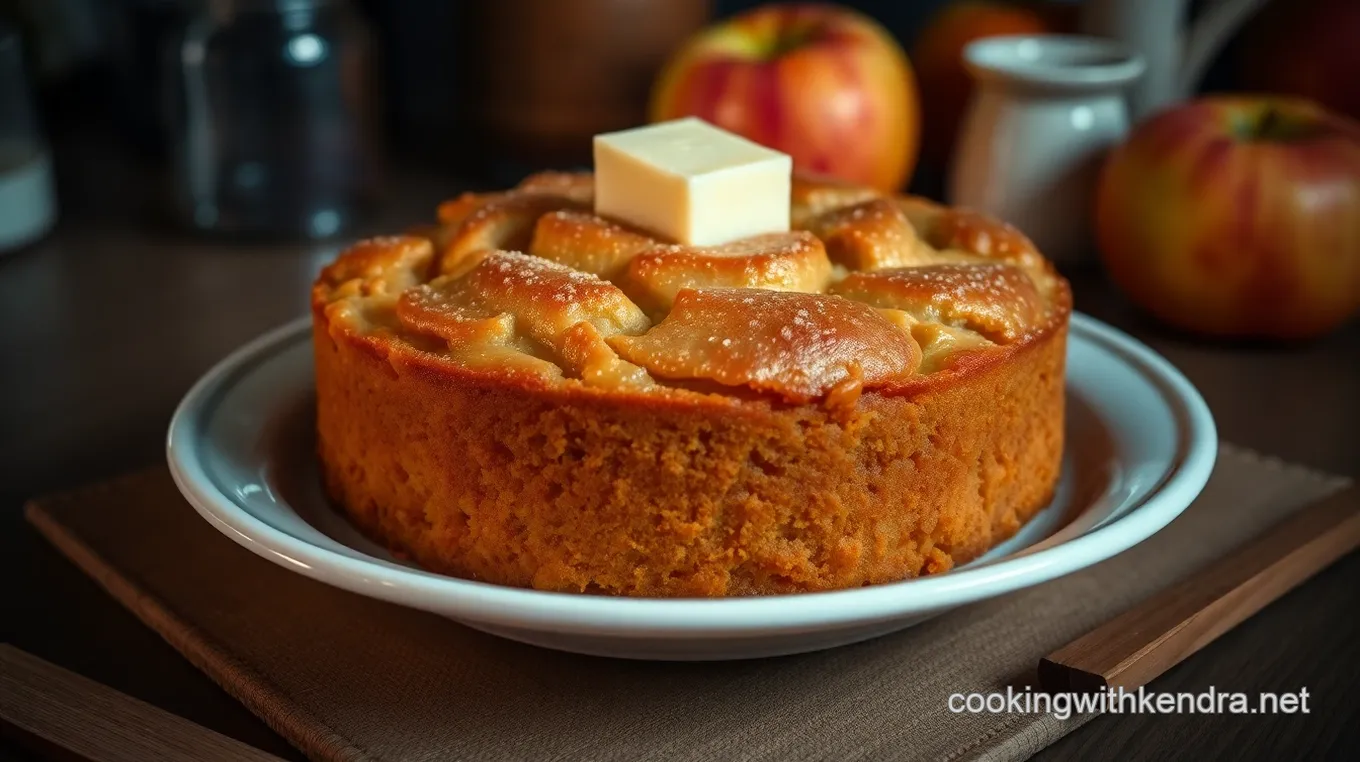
x,y
1269,121
789,41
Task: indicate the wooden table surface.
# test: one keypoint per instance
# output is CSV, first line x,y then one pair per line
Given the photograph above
x,y
108,321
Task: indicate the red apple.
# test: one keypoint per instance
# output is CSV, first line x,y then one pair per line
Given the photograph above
x,y
1237,216
821,83
938,58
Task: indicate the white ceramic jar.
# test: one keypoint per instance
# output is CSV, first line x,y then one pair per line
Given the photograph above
x,y
1045,111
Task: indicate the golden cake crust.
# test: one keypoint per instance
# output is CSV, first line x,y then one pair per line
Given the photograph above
x,y
531,421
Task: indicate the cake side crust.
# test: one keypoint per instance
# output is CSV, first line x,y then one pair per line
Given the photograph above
x,y
684,494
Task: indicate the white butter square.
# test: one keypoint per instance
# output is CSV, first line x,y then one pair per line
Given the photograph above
x,y
692,182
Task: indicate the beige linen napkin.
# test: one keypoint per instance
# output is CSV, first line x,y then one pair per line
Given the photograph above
x,y
346,677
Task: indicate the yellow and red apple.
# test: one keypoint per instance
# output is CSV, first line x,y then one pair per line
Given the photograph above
x,y
824,84
1237,217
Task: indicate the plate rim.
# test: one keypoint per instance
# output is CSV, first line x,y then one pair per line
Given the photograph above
x,y
574,613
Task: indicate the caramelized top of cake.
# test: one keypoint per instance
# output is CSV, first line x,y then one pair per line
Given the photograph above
x,y
868,292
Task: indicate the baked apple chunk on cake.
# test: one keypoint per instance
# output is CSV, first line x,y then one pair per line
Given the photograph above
x,y
537,392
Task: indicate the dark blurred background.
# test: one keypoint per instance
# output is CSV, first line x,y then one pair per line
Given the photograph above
x,y
477,90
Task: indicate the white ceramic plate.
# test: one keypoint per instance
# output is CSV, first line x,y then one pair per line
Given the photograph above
x,y
1140,445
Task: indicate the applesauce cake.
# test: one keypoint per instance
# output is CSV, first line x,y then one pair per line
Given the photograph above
x,y
529,394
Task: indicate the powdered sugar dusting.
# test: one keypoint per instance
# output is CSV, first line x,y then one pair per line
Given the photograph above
x,y
754,312
798,345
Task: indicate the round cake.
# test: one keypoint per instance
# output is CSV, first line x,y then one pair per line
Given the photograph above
x,y
529,394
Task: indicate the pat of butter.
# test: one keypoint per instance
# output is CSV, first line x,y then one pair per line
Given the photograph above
x,y
692,182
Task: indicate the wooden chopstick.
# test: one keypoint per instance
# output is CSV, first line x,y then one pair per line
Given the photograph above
x,y
1147,640
62,715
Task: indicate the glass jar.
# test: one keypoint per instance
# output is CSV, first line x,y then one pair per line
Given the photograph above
x,y
274,118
